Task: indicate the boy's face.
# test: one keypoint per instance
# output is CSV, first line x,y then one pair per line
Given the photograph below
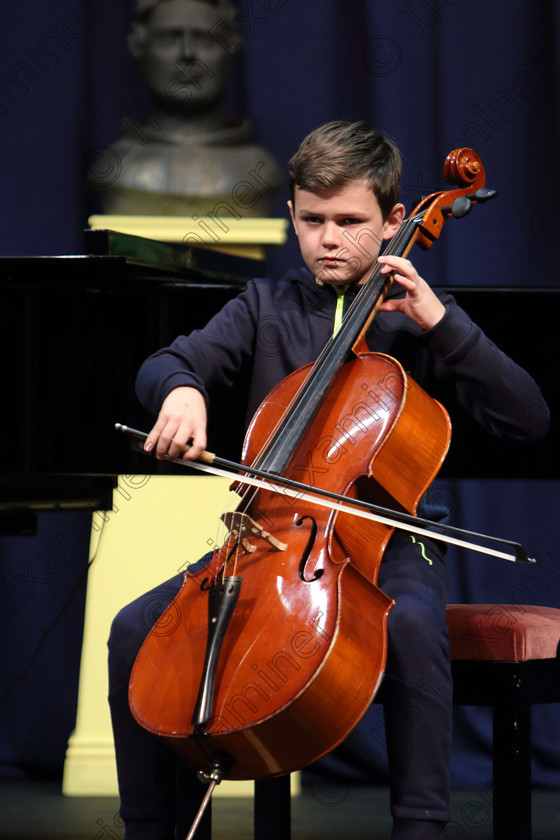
x,y
340,232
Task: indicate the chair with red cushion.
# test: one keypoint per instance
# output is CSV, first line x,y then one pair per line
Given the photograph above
x,y
507,656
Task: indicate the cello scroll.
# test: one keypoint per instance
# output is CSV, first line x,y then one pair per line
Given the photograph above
x,y
462,168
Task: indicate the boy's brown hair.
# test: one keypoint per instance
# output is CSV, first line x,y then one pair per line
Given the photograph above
x,y
339,152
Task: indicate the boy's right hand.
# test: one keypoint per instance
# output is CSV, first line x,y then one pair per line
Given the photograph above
x,y
182,419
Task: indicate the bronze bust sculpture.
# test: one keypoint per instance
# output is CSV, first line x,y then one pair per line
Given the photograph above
x,y
184,157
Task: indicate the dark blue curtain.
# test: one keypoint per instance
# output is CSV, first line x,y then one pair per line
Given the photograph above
x,y
433,74
42,596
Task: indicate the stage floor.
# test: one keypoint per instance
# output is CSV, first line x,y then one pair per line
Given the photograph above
x,y
38,811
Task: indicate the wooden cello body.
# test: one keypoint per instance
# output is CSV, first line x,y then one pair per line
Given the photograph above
x,y
268,657
305,648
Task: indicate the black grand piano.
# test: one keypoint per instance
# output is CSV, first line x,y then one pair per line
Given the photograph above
x,y
74,330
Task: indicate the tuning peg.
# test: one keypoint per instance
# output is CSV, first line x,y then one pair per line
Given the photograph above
x,y
483,194
459,208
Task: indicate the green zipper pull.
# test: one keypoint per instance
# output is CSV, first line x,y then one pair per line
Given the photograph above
x,y
340,291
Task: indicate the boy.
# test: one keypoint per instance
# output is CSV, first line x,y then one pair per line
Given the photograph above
x,y
344,187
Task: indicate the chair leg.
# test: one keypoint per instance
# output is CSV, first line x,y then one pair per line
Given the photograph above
x,y
272,809
512,760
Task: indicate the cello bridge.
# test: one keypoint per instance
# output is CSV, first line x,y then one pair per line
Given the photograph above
x,y
242,528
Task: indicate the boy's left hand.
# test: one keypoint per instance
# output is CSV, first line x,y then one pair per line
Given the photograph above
x,y
419,302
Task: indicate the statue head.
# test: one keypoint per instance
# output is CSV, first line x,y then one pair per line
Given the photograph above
x,y
184,64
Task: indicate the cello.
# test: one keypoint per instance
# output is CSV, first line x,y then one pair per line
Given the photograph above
x,y
270,655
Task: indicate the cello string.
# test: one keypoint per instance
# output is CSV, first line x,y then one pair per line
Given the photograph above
x,y
224,542
283,434
331,349
373,287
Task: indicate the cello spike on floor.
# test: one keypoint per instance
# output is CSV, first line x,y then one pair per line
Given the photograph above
x,y
202,809
219,769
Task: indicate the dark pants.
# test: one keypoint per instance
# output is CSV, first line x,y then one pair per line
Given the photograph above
x,y
416,694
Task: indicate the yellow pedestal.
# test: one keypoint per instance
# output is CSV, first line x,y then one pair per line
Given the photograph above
x,y
158,525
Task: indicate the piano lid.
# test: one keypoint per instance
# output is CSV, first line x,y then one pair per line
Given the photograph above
x,y
186,263
113,257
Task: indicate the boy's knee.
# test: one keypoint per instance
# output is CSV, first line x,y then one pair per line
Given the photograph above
x,y
412,618
132,623
126,636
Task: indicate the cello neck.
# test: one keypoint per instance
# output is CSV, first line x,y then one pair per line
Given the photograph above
x,y
349,339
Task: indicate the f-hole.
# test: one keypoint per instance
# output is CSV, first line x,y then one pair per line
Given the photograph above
x,y
305,556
